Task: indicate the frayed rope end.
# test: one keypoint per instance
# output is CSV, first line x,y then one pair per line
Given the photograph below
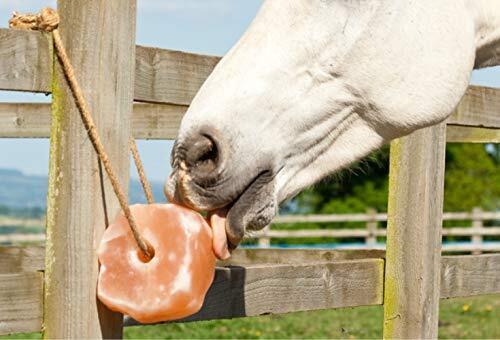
x,y
46,21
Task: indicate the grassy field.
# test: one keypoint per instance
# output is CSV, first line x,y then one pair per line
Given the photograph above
x,y
469,318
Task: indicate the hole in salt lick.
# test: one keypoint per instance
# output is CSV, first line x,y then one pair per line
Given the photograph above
x,y
143,257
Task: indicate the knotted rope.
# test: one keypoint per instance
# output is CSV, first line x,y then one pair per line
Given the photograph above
x,y
48,21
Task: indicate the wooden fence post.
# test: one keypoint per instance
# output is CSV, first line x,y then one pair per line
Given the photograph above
x,y
371,227
477,226
412,274
100,40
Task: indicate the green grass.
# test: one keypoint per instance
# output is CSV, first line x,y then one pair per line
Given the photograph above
x,y
477,317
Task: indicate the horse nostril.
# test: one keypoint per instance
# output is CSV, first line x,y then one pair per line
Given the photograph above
x,y
202,155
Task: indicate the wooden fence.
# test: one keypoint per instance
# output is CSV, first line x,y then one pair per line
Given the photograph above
x,y
371,232
476,231
53,288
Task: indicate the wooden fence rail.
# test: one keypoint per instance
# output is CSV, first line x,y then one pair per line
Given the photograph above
x,y
56,285
304,280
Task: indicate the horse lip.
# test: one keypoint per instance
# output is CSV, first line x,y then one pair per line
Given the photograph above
x,y
250,208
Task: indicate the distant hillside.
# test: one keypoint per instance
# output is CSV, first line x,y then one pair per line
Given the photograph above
x,y
20,191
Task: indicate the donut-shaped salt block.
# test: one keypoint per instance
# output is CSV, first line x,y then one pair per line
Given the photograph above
x,y
171,285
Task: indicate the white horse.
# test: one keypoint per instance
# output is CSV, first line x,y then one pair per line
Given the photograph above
x,y
315,85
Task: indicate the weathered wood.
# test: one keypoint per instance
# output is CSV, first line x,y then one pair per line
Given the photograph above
x,y
165,76
278,289
458,216
479,107
25,61
99,38
466,134
468,231
21,259
348,233
149,121
411,295
157,121
304,233
273,288
463,276
247,256
162,121
21,297
22,238
22,222
325,218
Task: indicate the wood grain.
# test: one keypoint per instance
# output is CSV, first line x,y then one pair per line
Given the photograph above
x,y
310,280
21,297
466,134
99,37
463,276
416,183
149,121
243,257
277,289
479,107
174,77
25,61
15,260
166,76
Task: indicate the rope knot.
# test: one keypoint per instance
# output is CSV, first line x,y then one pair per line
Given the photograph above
x,y
46,21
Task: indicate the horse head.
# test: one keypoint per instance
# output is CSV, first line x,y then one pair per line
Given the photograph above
x,y
312,86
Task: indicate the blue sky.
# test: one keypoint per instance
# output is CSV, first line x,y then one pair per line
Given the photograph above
x,y
201,26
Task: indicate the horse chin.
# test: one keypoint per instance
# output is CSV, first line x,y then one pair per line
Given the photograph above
x,y
251,210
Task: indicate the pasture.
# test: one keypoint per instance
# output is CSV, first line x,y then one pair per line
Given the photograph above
x,y
53,287
475,318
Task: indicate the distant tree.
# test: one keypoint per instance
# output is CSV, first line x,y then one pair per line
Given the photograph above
x,y
472,179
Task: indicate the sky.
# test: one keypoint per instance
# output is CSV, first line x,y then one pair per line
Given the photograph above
x,y
200,26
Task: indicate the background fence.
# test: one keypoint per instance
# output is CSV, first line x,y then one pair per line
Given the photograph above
x,y
371,233
53,288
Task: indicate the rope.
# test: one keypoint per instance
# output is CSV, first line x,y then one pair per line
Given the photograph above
x,y
48,21
140,170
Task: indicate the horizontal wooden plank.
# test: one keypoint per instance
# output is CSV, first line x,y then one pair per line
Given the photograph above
x,y
479,107
472,275
469,231
23,222
21,238
21,297
471,247
250,256
337,233
324,218
25,61
15,259
149,121
161,76
264,288
165,76
465,134
460,216
277,289
347,233
157,121
21,259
